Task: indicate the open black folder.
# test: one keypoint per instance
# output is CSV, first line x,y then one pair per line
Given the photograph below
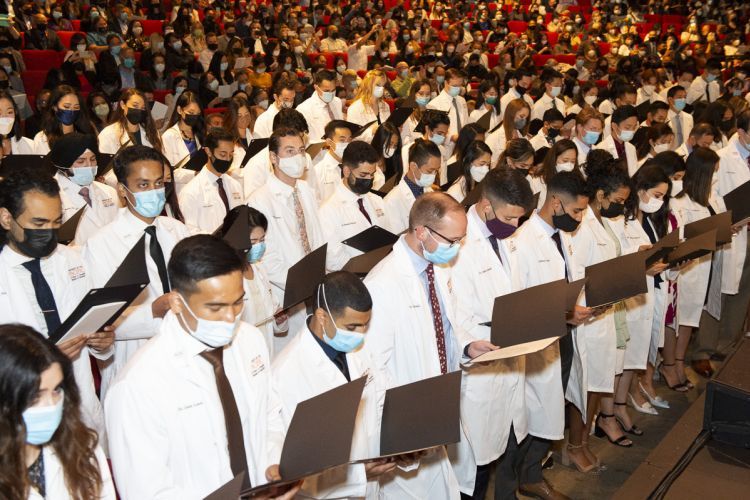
x,y
319,436
528,320
721,222
132,269
194,162
255,147
738,201
693,248
372,238
662,248
229,491
304,276
616,279
420,416
363,264
67,231
386,188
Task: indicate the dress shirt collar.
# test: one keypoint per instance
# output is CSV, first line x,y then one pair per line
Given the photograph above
x,y
13,258
418,262
474,216
547,228
190,345
281,187
416,190
329,351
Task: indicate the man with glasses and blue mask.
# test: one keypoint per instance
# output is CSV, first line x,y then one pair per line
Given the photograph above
x,y
414,333
140,175
195,408
326,353
323,106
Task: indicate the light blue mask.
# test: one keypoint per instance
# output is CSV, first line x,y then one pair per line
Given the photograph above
x,y
256,252
343,340
437,139
440,79
83,176
149,203
115,50
679,104
454,91
42,422
591,137
626,135
423,101
443,254
710,77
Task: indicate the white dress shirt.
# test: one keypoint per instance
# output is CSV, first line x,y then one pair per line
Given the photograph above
x,y
103,209
326,175
543,104
444,102
315,112
264,124
201,204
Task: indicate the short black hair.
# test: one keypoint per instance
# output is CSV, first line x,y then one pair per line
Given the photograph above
x,y
552,115
283,84
331,127
131,154
291,118
623,113
20,181
421,151
274,142
713,64
670,162
570,184
674,89
342,289
657,105
200,257
621,90
508,186
358,152
215,136
433,117
324,75
702,128
549,74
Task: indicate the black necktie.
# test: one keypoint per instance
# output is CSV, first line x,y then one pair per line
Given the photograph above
x,y
558,243
232,420
362,209
223,193
493,242
158,257
44,296
341,364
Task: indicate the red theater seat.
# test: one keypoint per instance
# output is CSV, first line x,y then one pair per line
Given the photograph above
x,y
33,81
151,26
65,37
38,60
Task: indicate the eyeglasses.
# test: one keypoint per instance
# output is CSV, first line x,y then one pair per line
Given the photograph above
x,y
450,241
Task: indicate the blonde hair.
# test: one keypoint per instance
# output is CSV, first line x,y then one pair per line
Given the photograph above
x,y
364,91
509,117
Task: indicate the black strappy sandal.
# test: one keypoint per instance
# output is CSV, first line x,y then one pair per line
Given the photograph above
x,y
679,387
599,432
686,383
634,430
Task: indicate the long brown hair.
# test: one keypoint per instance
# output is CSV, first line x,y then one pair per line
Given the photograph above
x,y
230,116
511,109
415,87
24,355
119,117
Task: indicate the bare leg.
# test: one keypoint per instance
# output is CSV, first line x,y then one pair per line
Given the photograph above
x,y
668,369
606,419
621,395
591,409
575,450
680,349
634,390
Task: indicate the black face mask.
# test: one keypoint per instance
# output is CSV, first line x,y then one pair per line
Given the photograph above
x,y
521,91
192,120
37,243
613,210
136,116
726,125
553,132
42,27
564,222
4,84
359,185
221,166
522,171
213,46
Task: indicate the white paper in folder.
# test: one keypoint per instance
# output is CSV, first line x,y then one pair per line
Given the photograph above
x,y
93,320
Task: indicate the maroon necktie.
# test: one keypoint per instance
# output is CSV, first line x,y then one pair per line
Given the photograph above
x,y
86,195
223,193
437,319
362,209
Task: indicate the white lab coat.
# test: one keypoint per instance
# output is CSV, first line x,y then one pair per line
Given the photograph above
x,y
535,260
495,118
201,204
343,220
302,371
22,146
316,113
497,141
631,156
326,175
113,137
174,147
398,204
264,124
444,148
686,123
583,150
258,169
511,95
103,209
362,115
493,389
543,104
401,340
733,172
444,102
538,186
54,478
697,90
164,415
103,254
260,306
67,278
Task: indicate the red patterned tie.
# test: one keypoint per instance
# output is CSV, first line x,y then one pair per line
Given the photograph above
x,y
437,319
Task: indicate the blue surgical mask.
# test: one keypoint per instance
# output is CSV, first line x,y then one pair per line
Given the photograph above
x,y
591,137
679,104
437,139
443,254
626,135
67,116
115,50
423,101
328,96
710,77
453,91
211,332
343,340
42,422
129,62
256,252
83,176
440,79
149,203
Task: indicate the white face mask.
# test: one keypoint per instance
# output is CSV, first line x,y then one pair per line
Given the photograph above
x,y
653,205
293,166
568,166
478,172
660,148
388,152
212,333
377,91
555,91
590,99
6,125
676,187
340,148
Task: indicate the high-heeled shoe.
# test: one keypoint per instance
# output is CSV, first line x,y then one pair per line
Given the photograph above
x,y
678,387
568,459
656,401
644,408
634,430
590,455
687,381
599,432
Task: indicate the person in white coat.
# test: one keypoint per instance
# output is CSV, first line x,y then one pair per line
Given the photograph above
x,y
475,164
515,126
323,105
552,81
414,333
39,389
450,101
434,126
550,131
706,87
196,406
524,78
368,105
41,282
140,172
697,201
74,157
283,97
10,121
540,252
487,103
423,166
624,125
482,272
352,208
680,121
212,193
623,95
294,227
701,135
184,135
328,353
588,130
63,115
326,173
131,124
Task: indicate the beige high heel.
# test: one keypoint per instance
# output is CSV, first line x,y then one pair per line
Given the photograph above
x,y
568,459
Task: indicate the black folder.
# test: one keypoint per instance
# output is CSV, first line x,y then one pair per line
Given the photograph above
x,y
386,188
721,222
738,201
304,276
132,269
229,491
370,239
662,248
693,248
255,147
400,115
67,231
363,264
616,279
